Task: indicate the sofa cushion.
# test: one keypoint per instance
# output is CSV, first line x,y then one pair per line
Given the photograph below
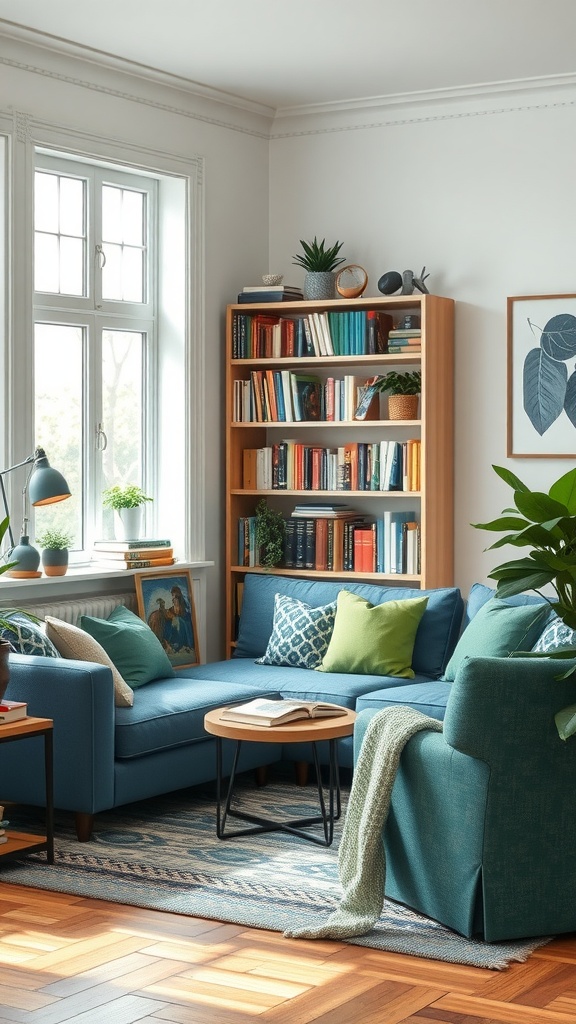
x,y
373,639
170,713
26,636
430,698
300,634
555,636
480,594
435,639
76,644
497,630
130,643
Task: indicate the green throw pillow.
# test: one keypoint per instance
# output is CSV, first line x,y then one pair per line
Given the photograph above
x,y
373,639
496,631
131,645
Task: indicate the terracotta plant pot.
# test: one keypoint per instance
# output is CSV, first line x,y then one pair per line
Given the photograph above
x,y
403,407
55,561
4,669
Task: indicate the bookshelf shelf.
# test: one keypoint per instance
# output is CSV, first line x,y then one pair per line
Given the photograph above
x,y
433,431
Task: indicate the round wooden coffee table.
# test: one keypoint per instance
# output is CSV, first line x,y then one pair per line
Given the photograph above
x,y
303,731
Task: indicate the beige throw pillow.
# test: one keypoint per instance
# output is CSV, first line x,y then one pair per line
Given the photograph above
x,y
75,643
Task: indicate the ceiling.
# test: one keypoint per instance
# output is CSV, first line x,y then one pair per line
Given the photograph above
x,y
293,53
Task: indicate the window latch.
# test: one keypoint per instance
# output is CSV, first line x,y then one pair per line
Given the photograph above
x,y
101,439
102,255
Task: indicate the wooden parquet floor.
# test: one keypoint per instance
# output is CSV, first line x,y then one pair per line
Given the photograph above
x,y
67,960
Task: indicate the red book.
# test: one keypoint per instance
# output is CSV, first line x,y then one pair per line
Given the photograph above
x,y
12,710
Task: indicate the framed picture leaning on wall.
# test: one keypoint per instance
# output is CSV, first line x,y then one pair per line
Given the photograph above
x,y
166,603
542,376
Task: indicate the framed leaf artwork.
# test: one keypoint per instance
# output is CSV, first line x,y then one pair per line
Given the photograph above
x,y
542,376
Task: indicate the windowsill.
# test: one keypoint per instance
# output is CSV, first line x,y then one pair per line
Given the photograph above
x,y
85,575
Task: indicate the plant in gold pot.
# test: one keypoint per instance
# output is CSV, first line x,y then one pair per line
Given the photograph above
x,y
403,393
55,544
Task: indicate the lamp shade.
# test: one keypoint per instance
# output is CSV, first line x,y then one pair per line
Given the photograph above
x,y
46,485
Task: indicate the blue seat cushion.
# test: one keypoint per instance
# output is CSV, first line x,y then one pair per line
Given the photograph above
x,y
302,683
170,713
430,698
435,639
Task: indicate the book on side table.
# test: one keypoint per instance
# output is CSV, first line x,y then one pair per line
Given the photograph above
x,y
12,711
262,711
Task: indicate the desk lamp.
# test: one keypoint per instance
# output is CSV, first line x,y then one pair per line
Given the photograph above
x,y
44,486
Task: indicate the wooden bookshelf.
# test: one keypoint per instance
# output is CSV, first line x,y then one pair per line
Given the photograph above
x,y
434,500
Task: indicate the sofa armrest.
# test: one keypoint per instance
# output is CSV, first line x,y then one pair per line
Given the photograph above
x,y
79,697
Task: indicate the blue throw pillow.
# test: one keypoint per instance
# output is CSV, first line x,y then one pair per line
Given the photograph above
x,y
26,636
300,634
556,635
497,630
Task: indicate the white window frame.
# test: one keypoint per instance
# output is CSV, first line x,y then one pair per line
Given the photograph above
x,y
178,486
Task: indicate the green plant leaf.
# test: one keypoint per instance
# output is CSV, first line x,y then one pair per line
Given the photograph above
x,y
564,491
510,587
503,523
510,478
566,722
539,507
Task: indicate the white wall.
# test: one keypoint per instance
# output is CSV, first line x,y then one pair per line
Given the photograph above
x,y
160,126
483,194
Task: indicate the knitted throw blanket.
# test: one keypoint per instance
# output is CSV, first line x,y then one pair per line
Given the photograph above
x,y
361,859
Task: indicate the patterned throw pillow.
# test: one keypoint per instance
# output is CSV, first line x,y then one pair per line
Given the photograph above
x,y
26,636
556,635
300,634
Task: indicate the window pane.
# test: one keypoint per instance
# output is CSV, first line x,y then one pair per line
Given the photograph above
x,y
46,202
71,266
132,217
46,263
58,419
132,275
111,214
112,272
122,369
72,206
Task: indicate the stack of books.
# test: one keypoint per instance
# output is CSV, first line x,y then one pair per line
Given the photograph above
x,y
12,711
270,293
405,340
134,554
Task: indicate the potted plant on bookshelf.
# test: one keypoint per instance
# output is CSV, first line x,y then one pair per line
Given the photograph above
x,y
403,393
319,261
270,529
54,543
128,503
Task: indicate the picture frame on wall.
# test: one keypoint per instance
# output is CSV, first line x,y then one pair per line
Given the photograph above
x,y
165,601
541,376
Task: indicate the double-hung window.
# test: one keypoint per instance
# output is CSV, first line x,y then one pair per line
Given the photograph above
x,y
94,335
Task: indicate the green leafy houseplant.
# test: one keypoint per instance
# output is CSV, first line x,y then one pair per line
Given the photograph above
x,y
130,496
269,534
55,539
317,258
407,383
5,566
545,522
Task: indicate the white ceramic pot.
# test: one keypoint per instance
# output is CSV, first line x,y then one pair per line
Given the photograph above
x,y
128,523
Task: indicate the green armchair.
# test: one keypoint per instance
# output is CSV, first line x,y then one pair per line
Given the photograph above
x,y
480,834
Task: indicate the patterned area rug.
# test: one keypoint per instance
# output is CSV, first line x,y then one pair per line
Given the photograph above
x,y
163,854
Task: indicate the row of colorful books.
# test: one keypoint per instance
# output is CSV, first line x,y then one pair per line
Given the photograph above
x,y
283,396
389,544
327,333
133,554
355,466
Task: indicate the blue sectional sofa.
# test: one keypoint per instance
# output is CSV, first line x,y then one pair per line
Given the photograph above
x,y
107,756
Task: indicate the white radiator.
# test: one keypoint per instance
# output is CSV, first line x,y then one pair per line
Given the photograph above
x,y
68,611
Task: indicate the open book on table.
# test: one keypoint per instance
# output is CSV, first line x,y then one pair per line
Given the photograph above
x,y
263,711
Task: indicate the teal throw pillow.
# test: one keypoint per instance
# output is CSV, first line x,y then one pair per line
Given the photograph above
x,y
555,636
300,634
26,636
374,639
496,631
131,645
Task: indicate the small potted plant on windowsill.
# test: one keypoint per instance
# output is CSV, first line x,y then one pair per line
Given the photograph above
x,y
319,262
127,502
403,393
55,544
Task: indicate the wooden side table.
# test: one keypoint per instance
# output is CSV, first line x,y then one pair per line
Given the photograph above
x,y
302,731
23,842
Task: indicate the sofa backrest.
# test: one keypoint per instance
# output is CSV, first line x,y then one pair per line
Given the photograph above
x,y
435,640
